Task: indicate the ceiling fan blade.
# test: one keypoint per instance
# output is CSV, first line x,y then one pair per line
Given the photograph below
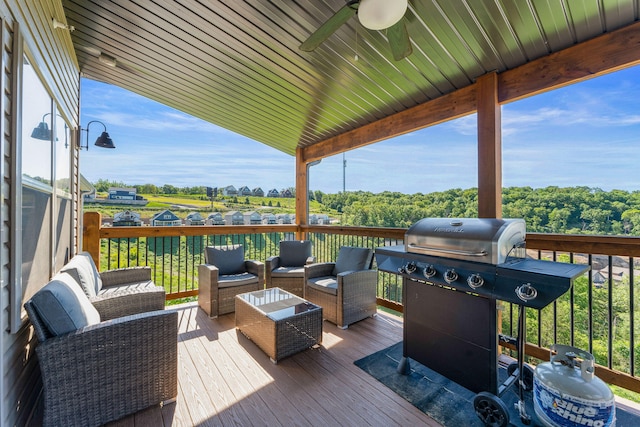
x,y
399,40
330,26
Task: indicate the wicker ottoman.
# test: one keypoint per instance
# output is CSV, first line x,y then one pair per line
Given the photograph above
x,y
279,322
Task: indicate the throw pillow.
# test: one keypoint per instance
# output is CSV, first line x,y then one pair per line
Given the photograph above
x,y
63,307
352,259
294,253
228,259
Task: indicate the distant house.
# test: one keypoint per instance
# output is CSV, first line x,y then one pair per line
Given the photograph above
x,y
313,219
165,218
323,219
122,193
230,190
126,219
257,192
252,218
244,191
234,218
269,219
273,193
194,218
284,218
215,218
286,193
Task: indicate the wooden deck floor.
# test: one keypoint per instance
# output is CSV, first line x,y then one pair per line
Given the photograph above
x,y
225,379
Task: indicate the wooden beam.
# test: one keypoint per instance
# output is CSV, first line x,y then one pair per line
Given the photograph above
x,y
91,235
450,106
489,148
302,197
604,54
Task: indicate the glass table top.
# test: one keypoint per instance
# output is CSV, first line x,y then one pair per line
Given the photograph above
x,y
277,304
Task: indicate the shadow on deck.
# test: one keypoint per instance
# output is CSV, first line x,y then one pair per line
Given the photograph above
x,y
225,379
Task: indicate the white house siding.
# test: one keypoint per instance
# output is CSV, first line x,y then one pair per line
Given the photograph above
x,y
28,24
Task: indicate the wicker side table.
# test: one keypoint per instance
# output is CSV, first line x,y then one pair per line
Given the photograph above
x,y
278,322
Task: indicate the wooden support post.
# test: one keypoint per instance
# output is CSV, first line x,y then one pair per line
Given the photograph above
x,y
91,235
302,196
489,148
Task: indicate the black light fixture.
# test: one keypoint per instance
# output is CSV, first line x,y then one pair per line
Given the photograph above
x,y
42,131
104,140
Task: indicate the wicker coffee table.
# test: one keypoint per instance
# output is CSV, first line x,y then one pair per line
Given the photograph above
x,y
280,323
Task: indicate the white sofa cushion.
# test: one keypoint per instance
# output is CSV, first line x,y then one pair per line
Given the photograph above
x,y
84,271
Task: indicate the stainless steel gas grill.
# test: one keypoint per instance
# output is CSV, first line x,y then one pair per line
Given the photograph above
x,y
454,271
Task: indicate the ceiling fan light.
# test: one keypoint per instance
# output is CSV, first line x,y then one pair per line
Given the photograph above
x,y
381,14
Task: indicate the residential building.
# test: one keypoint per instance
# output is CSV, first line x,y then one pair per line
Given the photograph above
x,y
252,218
126,219
229,190
194,218
215,218
234,218
165,218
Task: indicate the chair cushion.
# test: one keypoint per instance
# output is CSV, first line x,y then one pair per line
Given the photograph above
x,y
228,259
294,253
127,287
229,280
352,259
84,271
327,284
288,272
63,306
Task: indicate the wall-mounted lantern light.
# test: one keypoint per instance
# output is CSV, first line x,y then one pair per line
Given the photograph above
x,y
104,140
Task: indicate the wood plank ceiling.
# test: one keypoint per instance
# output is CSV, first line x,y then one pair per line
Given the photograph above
x,y
237,64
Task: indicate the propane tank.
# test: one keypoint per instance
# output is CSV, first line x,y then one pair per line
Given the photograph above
x,y
567,393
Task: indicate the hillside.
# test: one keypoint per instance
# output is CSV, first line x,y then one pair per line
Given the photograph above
x,y
575,210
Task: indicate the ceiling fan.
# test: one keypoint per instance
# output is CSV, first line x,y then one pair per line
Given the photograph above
x,y
373,15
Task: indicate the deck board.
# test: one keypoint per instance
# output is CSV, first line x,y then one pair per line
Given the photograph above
x,y
225,379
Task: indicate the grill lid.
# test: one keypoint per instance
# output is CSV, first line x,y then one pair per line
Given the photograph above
x,y
487,240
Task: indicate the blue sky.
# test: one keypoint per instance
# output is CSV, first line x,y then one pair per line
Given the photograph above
x,y
586,134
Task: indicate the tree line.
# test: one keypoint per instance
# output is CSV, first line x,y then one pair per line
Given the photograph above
x,y
574,210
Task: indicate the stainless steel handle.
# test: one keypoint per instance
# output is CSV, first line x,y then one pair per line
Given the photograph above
x,y
449,251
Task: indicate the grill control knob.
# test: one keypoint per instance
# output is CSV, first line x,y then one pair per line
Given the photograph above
x,y
410,267
475,281
429,271
450,276
526,292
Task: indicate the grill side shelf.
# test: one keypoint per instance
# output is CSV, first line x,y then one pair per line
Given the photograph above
x,y
549,279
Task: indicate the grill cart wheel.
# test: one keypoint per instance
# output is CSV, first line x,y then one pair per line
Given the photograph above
x,y
527,375
491,410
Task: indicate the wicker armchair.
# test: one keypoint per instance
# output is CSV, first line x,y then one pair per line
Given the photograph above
x,y
346,289
286,270
94,371
119,292
224,275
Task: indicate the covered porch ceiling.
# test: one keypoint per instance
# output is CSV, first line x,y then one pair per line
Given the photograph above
x,y
237,64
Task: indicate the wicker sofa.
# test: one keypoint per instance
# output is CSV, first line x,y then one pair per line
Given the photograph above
x,y
345,289
116,293
93,370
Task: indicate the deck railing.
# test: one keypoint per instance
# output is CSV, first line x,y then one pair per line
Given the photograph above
x,y
598,314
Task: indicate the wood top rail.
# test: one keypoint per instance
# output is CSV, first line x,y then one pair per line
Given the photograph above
x,y
575,243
